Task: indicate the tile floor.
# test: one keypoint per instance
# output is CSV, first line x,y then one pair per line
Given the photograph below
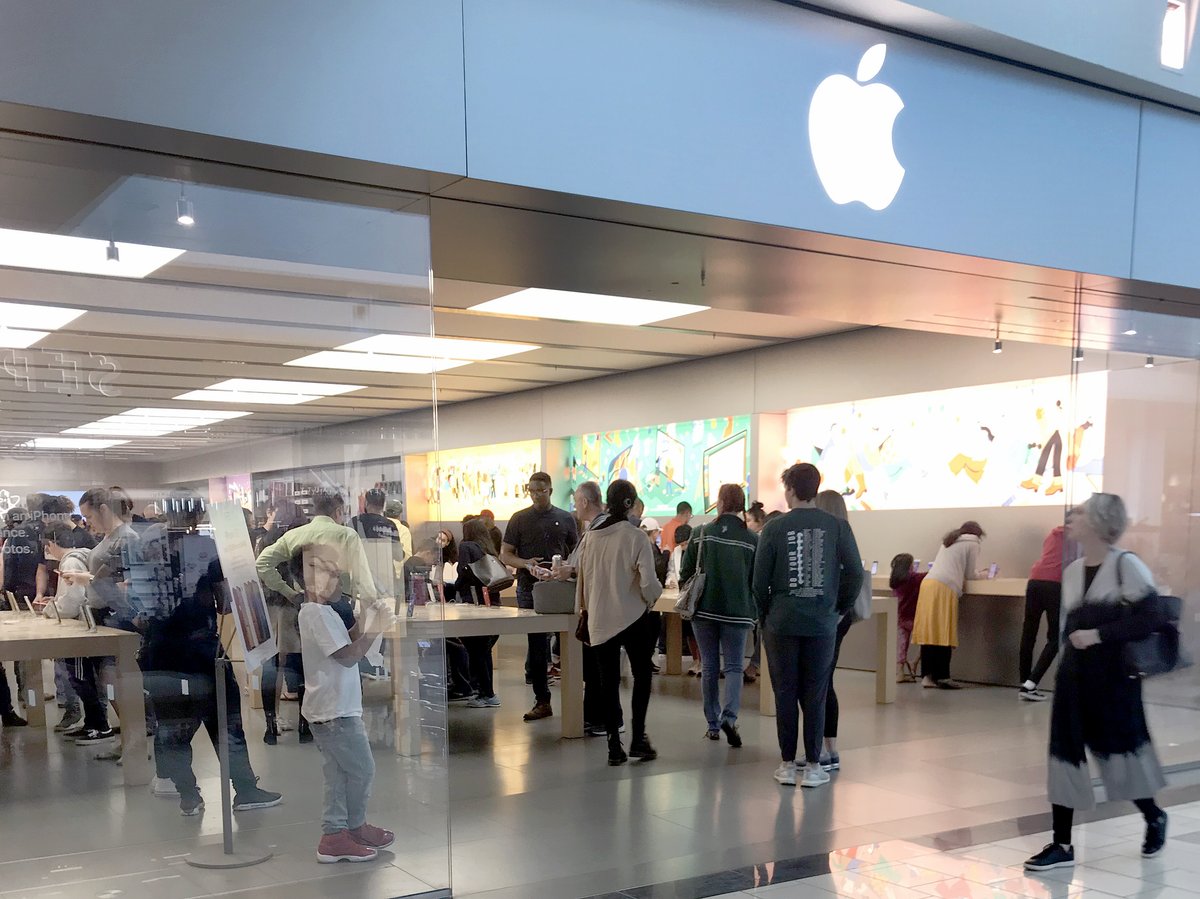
x,y
1108,865
511,811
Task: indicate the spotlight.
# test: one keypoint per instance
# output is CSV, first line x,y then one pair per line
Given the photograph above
x,y
1078,356
1149,362
184,213
998,348
1131,332
113,254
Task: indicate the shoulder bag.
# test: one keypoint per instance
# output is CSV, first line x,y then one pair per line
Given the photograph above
x,y
862,604
492,573
1161,652
692,590
582,634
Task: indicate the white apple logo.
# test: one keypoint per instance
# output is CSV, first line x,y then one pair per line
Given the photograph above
x,y
850,132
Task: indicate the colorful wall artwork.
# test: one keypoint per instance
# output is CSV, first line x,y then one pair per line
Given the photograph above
x,y
465,481
669,463
1010,444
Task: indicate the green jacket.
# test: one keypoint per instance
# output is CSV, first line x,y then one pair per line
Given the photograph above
x,y
728,547
807,573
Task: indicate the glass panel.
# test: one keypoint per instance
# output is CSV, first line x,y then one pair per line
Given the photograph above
x,y
1150,460
193,341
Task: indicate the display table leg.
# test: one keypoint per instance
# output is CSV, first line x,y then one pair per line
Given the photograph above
x,y
34,695
571,689
131,699
406,695
766,692
885,652
674,643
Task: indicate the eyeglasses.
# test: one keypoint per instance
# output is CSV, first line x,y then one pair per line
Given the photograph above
x,y
537,491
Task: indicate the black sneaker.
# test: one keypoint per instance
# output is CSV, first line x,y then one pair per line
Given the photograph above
x,y
1032,694
1156,836
89,737
640,748
190,806
253,798
12,719
1053,856
731,734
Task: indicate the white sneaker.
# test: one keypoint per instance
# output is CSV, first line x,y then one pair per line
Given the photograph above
x,y
786,774
480,702
163,788
814,776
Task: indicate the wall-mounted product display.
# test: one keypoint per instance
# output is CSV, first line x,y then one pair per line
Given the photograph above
x,y
353,479
461,482
1009,444
236,488
670,463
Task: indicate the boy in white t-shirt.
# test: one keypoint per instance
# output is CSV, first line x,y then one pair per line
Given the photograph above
x,y
333,706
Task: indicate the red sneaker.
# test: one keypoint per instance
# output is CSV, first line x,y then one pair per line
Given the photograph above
x,y
371,836
341,847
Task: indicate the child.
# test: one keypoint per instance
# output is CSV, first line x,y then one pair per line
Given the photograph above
x,y
333,706
906,585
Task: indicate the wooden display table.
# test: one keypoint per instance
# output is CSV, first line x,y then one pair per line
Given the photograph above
x,y
25,638
436,621
883,612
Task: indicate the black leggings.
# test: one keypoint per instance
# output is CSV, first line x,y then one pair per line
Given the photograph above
x,y
831,701
1041,598
293,662
1064,817
935,662
479,654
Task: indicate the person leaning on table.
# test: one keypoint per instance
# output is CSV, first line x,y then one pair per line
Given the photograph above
x,y
1109,599
935,627
807,574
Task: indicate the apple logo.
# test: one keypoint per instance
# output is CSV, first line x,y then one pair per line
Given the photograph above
x,y
850,133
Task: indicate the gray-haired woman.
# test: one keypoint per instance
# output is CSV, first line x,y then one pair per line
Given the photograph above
x,y
1109,599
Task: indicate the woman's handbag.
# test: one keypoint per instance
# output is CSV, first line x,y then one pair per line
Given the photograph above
x,y
492,573
581,629
1161,651
554,597
862,604
692,590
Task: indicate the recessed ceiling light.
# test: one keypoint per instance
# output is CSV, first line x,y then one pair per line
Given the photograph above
x,y
154,422
255,390
83,255
565,305
401,365
437,347
24,324
70,443
1132,332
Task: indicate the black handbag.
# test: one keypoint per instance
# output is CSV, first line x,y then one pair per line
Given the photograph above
x,y
1162,651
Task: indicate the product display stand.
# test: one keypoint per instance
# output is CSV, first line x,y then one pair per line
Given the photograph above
x,y
225,856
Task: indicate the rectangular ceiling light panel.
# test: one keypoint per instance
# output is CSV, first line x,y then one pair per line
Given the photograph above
x,y
565,305
71,443
267,392
145,422
24,324
437,347
344,360
81,255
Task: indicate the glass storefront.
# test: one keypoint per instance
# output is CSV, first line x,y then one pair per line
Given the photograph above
x,y
205,371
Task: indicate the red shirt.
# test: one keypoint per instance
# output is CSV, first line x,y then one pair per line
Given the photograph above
x,y
907,594
1050,566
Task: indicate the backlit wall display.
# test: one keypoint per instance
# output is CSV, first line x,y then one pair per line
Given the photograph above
x,y
465,481
1010,444
671,463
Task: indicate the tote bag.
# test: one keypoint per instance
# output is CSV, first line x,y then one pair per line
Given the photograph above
x,y
492,573
692,590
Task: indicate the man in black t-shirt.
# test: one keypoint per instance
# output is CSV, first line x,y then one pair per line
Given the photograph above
x,y
533,538
375,528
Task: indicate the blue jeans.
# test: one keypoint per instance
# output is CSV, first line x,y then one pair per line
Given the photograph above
x,y
349,770
718,641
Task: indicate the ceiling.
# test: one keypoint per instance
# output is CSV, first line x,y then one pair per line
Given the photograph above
x,y
266,279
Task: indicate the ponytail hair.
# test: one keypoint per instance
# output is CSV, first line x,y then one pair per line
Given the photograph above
x,y
621,498
901,570
967,527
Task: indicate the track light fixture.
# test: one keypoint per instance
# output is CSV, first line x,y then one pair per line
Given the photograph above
x,y
1149,362
112,253
184,212
1078,356
998,347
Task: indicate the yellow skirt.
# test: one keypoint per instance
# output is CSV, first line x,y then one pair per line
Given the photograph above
x,y
936,622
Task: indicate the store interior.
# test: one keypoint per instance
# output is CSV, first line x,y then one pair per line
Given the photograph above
x,y
301,334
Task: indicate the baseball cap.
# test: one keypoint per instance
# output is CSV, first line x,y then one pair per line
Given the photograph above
x,y
649,524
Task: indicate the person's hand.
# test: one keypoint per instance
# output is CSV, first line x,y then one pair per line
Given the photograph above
x,y
564,573
39,604
532,566
1084,639
77,578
